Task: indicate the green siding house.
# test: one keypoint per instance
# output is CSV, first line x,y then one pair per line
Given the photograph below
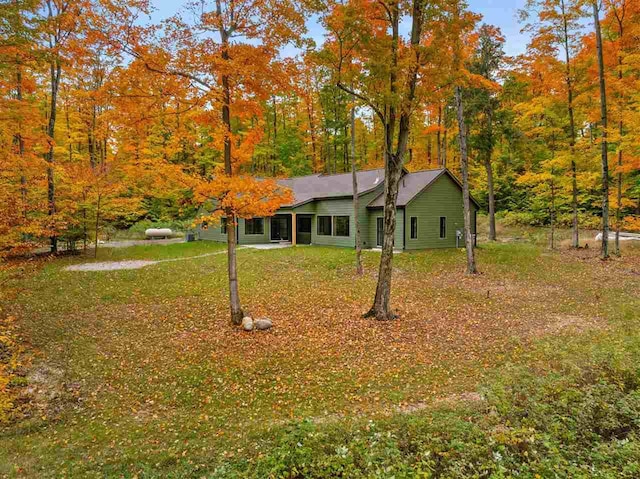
x,y
429,212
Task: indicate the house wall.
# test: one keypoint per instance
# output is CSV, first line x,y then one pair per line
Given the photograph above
x,y
364,217
265,237
343,207
211,233
371,232
306,209
214,233
442,198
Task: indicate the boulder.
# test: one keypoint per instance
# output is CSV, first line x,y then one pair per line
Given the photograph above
x,y
263,323
247,323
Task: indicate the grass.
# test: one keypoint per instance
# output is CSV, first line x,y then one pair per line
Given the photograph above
x,y
141,374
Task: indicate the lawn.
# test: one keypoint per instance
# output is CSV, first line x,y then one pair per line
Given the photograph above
x,y
140,373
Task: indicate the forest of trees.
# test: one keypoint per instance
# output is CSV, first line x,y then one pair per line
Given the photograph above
x,y
108,119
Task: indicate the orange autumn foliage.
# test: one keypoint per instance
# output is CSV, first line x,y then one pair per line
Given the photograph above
x,y
241,196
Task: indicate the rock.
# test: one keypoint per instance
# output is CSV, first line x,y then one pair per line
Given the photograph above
x,y
247,323
263,323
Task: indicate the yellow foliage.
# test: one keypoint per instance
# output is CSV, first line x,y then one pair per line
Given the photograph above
x,y
9,361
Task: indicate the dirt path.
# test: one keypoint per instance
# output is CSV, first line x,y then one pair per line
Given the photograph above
x,y
142,242
141,263
131,264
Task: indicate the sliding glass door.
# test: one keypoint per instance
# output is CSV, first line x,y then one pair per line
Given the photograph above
x,y
281,228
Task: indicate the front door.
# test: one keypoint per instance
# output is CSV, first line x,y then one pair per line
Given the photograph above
x,y
280,228
379,231
303,234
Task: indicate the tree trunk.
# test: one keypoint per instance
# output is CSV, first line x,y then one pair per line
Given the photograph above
x,y
444,144
381,308
234,293
95,251
492,200
55,71
619,196
604,148
18,142
575,236
438,134
312,131
621,133
275,134
464,167
552,214
356,199
85,234
489,168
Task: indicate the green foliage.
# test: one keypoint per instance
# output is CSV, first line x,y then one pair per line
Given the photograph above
x,y
167,388
10,356
575,421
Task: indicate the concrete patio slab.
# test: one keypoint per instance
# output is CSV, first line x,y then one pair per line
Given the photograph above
x,y
267,246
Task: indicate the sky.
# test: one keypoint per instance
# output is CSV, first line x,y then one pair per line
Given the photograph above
x,y
501,13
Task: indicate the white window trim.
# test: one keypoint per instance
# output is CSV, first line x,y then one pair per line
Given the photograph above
x,y
417,228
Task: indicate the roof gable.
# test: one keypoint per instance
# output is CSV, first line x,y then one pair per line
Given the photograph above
x,y
412,184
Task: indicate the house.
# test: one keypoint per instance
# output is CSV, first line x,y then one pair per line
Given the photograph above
x,y
429,212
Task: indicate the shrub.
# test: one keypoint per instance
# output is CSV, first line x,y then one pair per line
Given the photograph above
x,y
521,218
137,229
572,422
9,363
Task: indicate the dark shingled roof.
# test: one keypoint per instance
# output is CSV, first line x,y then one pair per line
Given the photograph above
x,y
319,186
315,187
410,185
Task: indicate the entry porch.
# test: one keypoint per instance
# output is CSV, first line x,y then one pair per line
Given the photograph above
x,y
291,227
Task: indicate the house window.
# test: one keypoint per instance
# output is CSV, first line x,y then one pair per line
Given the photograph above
x,y
443,227
414,227
324,225
254,226
223,225
341,225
